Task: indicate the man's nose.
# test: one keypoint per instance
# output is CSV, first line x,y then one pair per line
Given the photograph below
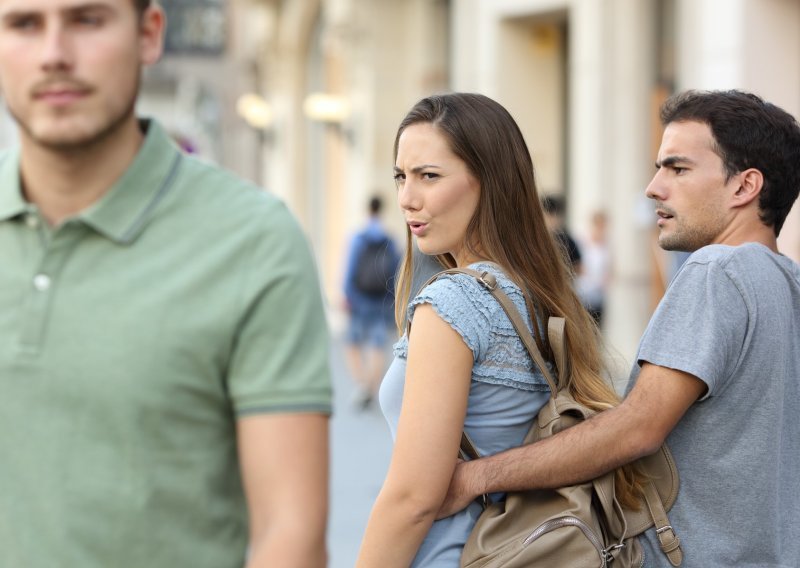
x,y
56,49
655,189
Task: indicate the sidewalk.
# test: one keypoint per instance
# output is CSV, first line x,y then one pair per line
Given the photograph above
x,y
361,447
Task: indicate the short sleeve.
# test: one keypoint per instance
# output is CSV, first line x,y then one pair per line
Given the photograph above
x,y
699,327
499,355
454,298
280,358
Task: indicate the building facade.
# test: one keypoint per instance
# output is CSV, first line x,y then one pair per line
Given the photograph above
x,y
304,97
584,79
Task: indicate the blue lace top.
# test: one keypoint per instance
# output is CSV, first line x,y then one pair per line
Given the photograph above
x,y
500,357
505,392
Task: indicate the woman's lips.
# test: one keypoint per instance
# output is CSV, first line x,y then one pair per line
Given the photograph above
x,y
417,229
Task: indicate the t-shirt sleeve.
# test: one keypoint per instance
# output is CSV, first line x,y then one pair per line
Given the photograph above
x,y
699,327
455,298
280,359
499,356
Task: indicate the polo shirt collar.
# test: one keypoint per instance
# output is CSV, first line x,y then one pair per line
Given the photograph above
x,y
12,204
123,212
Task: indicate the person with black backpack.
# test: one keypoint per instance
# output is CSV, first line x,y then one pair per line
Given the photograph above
x,y
369,292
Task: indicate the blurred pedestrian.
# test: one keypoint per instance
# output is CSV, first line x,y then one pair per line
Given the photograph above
x,y
165,390
717,373
593,280
466,188
555,209
369,290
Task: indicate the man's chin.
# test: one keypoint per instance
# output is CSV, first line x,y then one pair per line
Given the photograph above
x,y
58,134
675,245
667,241
70,138
63,142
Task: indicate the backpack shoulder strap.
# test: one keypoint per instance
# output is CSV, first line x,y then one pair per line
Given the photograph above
x,y
669,541
558,344
489,282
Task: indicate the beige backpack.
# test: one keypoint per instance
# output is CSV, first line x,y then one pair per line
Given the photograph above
x,y
580,526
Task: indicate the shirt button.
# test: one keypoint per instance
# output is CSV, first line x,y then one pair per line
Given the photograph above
x,y
32,221
41,282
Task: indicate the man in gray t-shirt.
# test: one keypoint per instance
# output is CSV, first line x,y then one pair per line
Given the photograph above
x,y
718,368
731,318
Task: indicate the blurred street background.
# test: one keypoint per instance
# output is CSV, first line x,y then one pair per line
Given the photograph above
x,y
360,450
303,97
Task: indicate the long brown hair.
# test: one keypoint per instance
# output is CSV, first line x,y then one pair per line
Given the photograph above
x,y
509,228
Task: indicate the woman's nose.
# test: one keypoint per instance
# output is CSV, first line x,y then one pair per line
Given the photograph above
x,y
407,196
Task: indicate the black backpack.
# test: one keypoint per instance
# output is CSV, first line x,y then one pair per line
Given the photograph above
x,y
375,268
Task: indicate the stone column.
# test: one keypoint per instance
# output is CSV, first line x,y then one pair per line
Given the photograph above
x,y
613,74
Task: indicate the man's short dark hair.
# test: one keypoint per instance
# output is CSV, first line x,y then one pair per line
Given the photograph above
x,y
554,205
749,133
375,205
142,5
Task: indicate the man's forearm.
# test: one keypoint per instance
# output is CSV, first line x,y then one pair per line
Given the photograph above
x,y
583,452
575,455
635,428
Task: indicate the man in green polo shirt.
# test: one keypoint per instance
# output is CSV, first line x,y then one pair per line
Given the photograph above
x,y
164,391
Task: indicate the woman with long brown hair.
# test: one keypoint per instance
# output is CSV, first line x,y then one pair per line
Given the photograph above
x,y
465,183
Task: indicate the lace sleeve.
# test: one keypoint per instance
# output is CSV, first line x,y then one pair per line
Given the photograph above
x,y
498,354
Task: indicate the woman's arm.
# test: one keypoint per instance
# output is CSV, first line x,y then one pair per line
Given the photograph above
x,y
428,436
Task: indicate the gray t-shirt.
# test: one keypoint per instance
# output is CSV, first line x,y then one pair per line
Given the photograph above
x,y
504,397
731,317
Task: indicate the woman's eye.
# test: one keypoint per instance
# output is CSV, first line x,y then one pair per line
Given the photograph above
x,y
430,175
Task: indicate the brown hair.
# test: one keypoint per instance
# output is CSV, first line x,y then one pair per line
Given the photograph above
x,y
142,5
509,227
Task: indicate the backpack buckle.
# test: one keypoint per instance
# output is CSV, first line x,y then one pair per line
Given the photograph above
x,y
608,553
488,280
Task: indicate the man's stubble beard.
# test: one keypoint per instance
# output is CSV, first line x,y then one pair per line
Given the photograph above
x,y
689,238
92,140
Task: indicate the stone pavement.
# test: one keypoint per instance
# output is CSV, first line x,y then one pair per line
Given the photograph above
x,y
361,447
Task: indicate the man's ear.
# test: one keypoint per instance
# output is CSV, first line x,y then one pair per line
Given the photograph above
x,y
750,183
151,34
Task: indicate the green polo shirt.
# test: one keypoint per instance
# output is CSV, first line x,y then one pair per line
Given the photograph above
x,y
131,338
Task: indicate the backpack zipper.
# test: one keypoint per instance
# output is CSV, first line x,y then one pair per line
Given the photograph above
x,y
560,522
